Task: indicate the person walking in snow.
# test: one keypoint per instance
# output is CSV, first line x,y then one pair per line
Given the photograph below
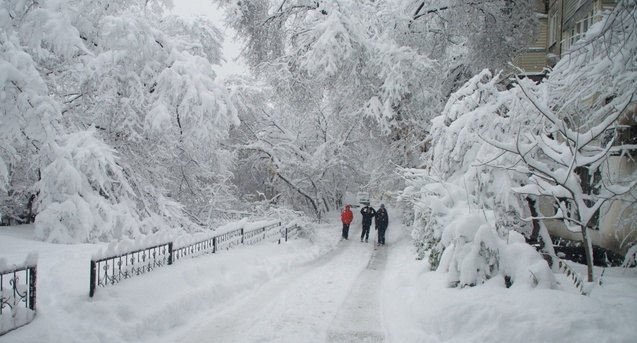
x,y
346,217
368,213
382,220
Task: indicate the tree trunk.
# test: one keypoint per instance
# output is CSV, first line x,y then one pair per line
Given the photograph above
x,y
588,249
536,222
540,234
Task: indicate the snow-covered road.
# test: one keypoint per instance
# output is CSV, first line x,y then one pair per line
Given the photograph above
x,y
335,298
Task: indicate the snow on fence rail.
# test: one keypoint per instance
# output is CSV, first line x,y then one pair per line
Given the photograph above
x,y
110,268
17,293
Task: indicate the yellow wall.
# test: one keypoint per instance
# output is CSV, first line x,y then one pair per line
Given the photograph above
x,y
534,60
531,62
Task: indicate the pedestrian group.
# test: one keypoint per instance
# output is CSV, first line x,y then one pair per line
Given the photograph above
x,y
368,213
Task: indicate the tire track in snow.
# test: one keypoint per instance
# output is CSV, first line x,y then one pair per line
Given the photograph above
x,y
296,307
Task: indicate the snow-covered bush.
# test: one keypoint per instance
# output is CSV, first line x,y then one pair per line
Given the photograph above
x,y
460,164
461,240
475,252
83,195
432,200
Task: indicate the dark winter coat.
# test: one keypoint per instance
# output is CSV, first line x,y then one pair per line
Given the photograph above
x,y
368,213
381,219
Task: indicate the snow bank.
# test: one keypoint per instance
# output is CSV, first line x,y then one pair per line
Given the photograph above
x,y
420,307
153,307
31,260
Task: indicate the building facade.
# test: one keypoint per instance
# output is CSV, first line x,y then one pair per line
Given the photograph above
x,y
561,24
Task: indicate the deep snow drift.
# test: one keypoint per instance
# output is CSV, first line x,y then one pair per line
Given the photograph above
x,y
301,291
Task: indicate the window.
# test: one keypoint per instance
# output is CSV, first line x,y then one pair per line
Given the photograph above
x,y
588,21
576,33
553,27
624,136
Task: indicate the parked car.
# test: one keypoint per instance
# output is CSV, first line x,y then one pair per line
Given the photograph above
x,y
363,198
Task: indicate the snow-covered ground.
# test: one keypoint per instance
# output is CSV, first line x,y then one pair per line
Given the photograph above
x,y
313,289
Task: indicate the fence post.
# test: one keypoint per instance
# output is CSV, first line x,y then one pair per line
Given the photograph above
x,y
93,277
32,286
170,253
286,234
214,244
241,235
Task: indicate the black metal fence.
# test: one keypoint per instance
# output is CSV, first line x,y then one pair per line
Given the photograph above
x,y
111,270
17,294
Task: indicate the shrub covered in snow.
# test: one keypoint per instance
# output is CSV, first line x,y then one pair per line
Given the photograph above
x,y
84,196
475,252
461,239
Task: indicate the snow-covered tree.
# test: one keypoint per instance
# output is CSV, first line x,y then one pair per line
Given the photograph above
x,y
556,139
383,60
308,164
126,101
462,239
590,92
387,66
34,39
491,32
460,173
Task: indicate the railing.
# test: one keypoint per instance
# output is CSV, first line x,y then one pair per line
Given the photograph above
x,y
291,232
229,239
202,247
111,270
17,293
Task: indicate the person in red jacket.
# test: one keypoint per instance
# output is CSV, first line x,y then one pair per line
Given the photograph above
x,y
346,217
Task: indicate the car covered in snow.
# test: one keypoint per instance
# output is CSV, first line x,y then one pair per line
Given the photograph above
x,y
363,198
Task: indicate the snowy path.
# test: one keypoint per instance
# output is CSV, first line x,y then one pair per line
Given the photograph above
x,y
335,298
358,320
311,289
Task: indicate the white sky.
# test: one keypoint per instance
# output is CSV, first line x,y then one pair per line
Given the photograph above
x,y
191,8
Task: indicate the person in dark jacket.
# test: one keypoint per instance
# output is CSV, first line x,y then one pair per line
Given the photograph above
x,y
382,220
368,213
346,218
